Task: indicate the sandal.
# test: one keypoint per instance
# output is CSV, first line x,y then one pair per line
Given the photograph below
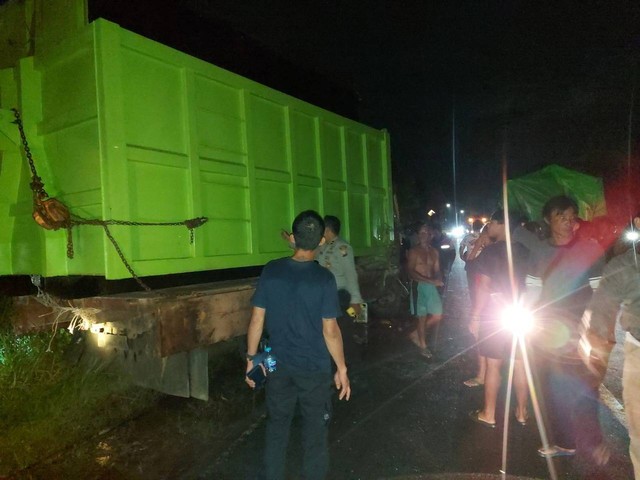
x,y
473,383
426,353
475,416
523,422
556,451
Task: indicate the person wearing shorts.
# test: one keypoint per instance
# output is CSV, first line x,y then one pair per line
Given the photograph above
x,y
495,290
425,300
423,267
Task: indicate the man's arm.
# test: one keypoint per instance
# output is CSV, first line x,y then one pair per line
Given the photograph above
x,y
463,248
437,274
254,333
482,241
333,340
412,260
483,292
600,317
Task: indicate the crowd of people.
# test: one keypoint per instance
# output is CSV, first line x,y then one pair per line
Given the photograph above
x,y
552,274
507,261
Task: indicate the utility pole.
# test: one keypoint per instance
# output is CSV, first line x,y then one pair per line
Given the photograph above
x,y
453,158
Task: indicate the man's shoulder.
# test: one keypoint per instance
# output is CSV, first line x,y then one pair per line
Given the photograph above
x,y
470,238
620,263
343,247
341,242
287,264
273,267
278,262
588,246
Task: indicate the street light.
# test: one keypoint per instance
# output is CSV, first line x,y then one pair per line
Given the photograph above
x,y
461,212
448,205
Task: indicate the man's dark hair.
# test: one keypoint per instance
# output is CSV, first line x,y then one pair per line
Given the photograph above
x,y
332,223
477,225
308,229
499,216
559,203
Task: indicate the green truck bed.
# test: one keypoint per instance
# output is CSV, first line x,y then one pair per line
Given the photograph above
x,y
122,127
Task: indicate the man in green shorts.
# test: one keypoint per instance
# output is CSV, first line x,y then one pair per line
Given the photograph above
x,y
423,266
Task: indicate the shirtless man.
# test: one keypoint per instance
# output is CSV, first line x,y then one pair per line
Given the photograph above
x,y
423,267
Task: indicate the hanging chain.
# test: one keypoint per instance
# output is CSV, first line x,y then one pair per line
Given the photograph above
x,y
124,260
37,186
36,182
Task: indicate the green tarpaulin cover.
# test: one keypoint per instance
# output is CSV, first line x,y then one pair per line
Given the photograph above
x,y
529,193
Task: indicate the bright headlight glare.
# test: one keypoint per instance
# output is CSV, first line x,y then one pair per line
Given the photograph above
x,y
517,319
632,235
457,232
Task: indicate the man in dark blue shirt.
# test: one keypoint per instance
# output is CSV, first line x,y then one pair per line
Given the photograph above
x,y
297,300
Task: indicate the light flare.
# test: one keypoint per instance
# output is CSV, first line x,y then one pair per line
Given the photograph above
x,y
517,319
457,232
632,235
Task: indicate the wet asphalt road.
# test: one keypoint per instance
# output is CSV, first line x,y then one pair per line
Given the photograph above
x,y
407,417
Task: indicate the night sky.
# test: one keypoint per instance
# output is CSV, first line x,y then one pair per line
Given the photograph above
x,y
535,85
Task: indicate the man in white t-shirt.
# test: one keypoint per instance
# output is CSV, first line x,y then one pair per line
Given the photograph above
x,y
466,244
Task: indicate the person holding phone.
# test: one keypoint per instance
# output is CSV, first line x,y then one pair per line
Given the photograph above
x,y
296,300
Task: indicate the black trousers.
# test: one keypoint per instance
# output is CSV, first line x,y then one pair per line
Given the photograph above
x,y
571,403
313,393
352,351
568,392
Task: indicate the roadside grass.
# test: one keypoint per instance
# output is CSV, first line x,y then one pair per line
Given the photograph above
x,y
49,403
53,405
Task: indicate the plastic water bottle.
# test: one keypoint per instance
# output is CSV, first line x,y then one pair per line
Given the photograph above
x,y
269,361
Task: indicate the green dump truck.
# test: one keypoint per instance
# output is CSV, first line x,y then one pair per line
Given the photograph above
x,y
128,135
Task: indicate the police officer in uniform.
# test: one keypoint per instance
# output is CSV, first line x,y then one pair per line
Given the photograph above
x,y
337,255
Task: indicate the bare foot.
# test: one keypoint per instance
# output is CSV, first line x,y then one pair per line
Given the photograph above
x,y
413,336
473,382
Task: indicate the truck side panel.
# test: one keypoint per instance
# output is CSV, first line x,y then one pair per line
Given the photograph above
x,y
130,129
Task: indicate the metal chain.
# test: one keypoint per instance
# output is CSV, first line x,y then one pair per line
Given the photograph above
x,y
190,223
36,182
38,188
124,260
70,252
